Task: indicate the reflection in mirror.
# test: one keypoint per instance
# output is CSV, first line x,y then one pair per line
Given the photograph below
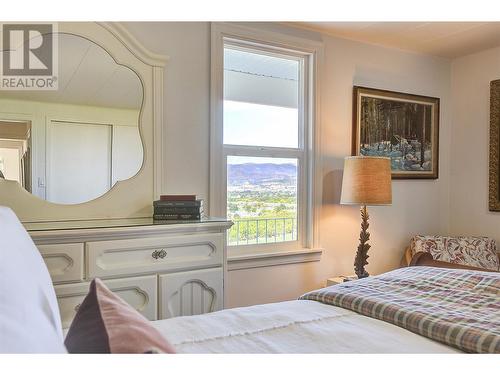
x,y
15,144
72,145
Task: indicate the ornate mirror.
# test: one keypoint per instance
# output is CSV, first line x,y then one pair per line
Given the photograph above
x,y
84,149
71,145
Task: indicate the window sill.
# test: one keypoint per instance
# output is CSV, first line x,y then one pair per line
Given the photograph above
x,y
255,260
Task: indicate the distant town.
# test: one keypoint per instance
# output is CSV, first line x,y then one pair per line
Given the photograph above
x,y
262,201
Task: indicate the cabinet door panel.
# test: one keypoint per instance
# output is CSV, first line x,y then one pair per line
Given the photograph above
x,y
64,261
191,293
139,292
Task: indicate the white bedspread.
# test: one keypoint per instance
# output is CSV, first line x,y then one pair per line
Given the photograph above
x,y
291,327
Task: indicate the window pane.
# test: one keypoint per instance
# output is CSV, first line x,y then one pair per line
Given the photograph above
x,y
256,124
261,95
261,200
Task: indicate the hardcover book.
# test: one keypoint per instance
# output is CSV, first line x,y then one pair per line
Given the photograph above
x,y
176,217
185,197
178,210
195,203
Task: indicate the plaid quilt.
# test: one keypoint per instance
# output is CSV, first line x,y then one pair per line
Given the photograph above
x,y
460,308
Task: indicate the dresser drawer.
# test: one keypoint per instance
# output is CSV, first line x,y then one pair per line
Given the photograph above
x,y
156,254
139,292
64,261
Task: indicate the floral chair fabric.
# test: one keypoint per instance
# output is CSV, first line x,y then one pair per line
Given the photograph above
x,y
471,251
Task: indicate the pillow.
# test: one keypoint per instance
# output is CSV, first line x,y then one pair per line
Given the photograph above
x,y
470,251
29,314
105,323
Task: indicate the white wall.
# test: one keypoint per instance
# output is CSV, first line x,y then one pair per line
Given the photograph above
x,y
471,76
418,206
187,99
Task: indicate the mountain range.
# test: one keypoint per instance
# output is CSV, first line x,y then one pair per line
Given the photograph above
x,y
261,173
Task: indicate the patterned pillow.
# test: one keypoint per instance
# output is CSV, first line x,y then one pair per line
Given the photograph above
x,y
471,251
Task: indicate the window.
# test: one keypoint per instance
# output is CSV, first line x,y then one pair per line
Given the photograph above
x,y
262,137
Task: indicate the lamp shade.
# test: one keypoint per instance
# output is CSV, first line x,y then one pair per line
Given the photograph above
x,y
366,181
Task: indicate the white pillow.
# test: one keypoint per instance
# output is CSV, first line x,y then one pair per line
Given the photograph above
x,y
29,315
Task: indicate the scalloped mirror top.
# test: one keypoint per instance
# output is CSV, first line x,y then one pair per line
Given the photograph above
x,y
73,144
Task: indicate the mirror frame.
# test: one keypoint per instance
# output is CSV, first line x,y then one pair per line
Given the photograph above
x,y
131,198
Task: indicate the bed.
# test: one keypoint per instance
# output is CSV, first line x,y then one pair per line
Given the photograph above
x,y
292,327
409,310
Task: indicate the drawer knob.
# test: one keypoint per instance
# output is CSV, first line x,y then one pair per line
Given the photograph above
x,y
159,254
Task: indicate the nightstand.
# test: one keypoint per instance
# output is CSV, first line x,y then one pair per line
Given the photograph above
x,y
339,279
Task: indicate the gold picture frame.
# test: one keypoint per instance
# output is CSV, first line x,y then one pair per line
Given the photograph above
x,y
494,181
401,126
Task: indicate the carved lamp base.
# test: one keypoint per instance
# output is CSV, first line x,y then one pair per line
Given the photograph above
x,y
361,259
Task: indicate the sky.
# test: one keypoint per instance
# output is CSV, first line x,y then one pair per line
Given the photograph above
x,y
260,125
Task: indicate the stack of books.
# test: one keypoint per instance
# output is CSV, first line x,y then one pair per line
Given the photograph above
x,y
178,207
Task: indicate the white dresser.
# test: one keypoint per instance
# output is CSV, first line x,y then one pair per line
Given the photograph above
x,y
163,269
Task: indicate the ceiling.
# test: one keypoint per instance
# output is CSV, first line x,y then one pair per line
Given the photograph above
x,y
87,75
444,39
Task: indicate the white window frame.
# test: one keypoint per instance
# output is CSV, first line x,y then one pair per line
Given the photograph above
x,y
308,152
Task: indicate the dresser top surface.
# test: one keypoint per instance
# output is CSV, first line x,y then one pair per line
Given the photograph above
x,y
115,223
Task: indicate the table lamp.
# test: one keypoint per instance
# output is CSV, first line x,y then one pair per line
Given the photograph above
x,y
366,182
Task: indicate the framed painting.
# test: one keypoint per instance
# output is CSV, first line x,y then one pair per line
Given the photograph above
x,y
403,127
494,185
